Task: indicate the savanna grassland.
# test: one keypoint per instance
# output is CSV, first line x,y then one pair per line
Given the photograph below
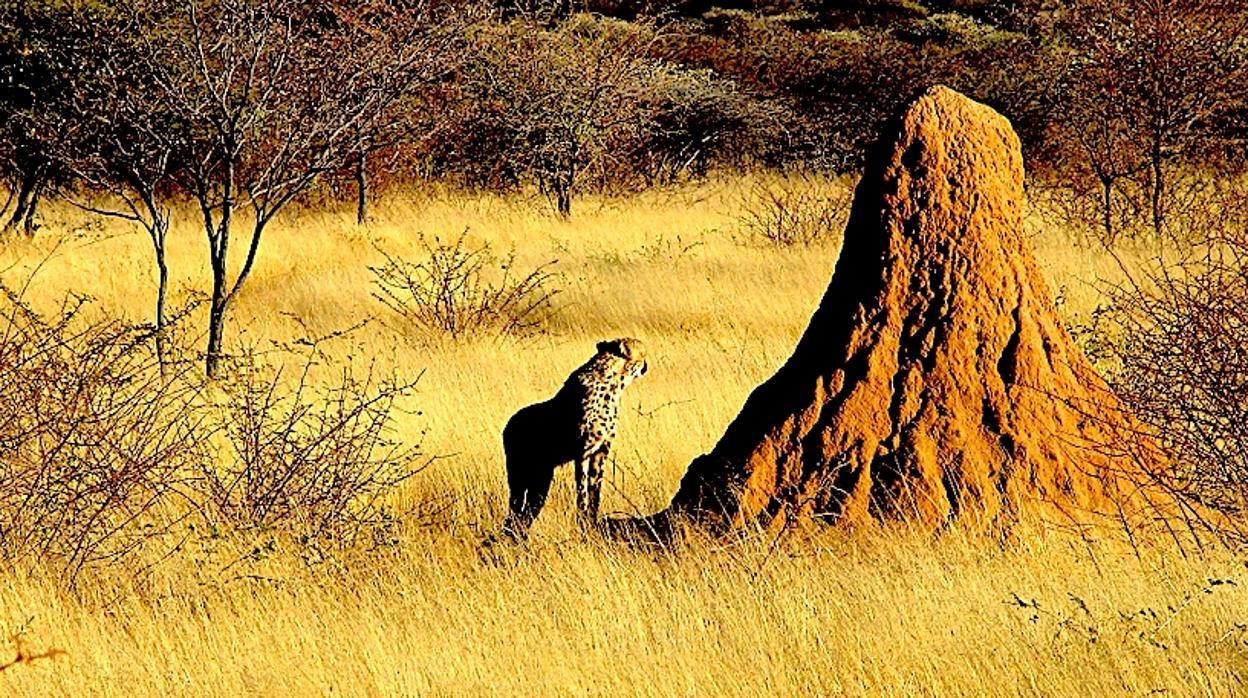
x,y
820,612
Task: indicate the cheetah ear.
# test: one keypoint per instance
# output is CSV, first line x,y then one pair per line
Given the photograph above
x,y
610,346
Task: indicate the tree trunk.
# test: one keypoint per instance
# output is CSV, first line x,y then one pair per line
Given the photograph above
x,y
361,188
27,193
1107,208
563,200
28,223
216,323
218,252
162,286
562,177
935,382
1159,190
8,199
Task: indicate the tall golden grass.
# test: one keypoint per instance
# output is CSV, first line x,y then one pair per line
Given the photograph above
x,y
887,612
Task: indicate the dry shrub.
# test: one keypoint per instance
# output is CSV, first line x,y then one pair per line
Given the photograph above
x,y
103,454
1176,339
1197,205
805,211
93,443
461,291
1202,205
315,460
24,655
1098,215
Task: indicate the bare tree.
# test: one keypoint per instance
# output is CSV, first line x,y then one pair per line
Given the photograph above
x,y
1093,117
272,94
417,115
1157,77
26,174
30,78
113,135
553,102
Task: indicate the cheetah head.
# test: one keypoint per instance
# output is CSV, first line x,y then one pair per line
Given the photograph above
x,y
631,351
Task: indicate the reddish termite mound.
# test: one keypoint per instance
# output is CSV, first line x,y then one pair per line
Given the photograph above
x,y
935,382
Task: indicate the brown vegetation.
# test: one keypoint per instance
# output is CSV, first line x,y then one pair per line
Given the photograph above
x,y
461,290
1175,337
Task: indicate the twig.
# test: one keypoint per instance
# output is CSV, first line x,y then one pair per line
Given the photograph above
x,y
24,656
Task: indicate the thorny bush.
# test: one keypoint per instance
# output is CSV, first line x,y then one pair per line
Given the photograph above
x,y
1176,344
315,459
804,211
94,445
103,455
460,290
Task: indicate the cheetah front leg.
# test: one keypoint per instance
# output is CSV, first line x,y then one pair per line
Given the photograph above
x,y
582,487
593,475
589,483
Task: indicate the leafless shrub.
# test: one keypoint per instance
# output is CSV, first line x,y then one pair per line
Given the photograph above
x,y
102,455
1205,204
1199,204
1176,343
24,655
1105,215
317,460
94,443
807,212
461,290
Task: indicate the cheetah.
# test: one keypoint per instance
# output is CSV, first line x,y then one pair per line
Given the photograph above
x,y
577,424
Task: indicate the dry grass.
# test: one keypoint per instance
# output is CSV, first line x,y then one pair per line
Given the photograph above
x,y
824,613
